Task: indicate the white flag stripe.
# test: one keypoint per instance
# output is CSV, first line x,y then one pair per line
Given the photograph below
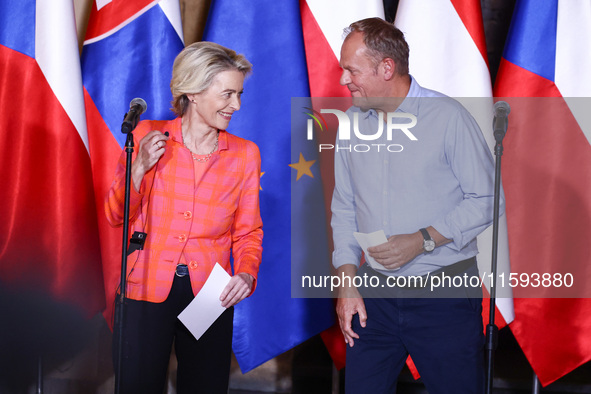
x,y
481,110
334,15
101,3
443,51
121,26
172,10
56,52
504,294
573,41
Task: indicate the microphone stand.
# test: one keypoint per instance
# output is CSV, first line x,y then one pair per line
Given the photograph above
x,y
120,301
492,330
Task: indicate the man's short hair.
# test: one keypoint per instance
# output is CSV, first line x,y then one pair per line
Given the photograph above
x,y
383,40
195,68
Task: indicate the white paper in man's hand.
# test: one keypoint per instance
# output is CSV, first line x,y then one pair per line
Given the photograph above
x,y
206,307
367,240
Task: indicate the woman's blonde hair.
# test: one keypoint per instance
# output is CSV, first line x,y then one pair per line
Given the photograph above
x,y
195,68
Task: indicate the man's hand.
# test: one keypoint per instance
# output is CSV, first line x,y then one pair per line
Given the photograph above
x,y
237,289
349,302
399,250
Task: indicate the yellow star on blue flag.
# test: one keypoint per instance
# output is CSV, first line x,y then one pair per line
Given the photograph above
x,y
303,167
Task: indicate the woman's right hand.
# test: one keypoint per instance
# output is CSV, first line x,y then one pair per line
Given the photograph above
x,y
151,149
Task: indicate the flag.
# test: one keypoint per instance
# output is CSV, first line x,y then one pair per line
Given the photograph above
x,y
49,240
269,34
547,176
128,52
447,46
323,24
453,30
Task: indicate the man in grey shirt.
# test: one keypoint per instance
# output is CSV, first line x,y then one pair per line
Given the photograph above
x,y
430,188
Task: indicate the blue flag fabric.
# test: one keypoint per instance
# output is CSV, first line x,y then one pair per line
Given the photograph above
x,y
135,61
532,43
269,34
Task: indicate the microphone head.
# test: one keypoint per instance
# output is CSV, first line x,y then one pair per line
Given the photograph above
x,y
141,102
502,105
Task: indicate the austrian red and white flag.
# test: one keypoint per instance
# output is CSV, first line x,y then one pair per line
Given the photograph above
x,y
448,54
323,22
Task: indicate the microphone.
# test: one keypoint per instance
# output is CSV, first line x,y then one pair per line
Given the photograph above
x,y
501,121
137,107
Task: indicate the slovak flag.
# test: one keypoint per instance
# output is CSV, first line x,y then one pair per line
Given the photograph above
x,y
129,50
547,177
49,240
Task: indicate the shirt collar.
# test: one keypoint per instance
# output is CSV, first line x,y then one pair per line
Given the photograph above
x,y
409,105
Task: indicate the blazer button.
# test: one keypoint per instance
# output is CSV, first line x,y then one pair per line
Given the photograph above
x,y
182,238
193,264
188,215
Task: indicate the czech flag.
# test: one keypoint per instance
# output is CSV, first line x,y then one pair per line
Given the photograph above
x,y
547,177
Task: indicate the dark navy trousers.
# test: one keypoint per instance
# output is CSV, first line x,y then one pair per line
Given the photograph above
x,y
441,330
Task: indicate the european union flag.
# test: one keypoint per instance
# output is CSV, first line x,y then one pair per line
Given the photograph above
x,y
269,34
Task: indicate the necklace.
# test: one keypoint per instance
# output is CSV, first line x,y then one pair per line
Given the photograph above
x,y
207,156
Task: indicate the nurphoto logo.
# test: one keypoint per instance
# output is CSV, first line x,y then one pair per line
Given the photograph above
x,y
394,122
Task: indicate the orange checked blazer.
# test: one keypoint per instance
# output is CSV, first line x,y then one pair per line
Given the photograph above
x,y
204,219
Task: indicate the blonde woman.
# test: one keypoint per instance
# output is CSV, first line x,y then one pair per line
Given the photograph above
x,y
195,192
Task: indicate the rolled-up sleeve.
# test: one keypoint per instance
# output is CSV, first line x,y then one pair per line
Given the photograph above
x,y
473,166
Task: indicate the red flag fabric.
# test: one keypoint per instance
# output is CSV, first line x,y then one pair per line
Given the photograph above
x,y
453,30
48,233
323,23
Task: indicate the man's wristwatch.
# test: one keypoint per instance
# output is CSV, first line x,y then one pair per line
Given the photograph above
x,y
428,243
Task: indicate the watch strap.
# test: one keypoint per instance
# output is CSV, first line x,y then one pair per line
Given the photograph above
x,y
426,234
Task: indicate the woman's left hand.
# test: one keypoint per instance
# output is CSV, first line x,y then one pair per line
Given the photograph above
x,y
237,289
